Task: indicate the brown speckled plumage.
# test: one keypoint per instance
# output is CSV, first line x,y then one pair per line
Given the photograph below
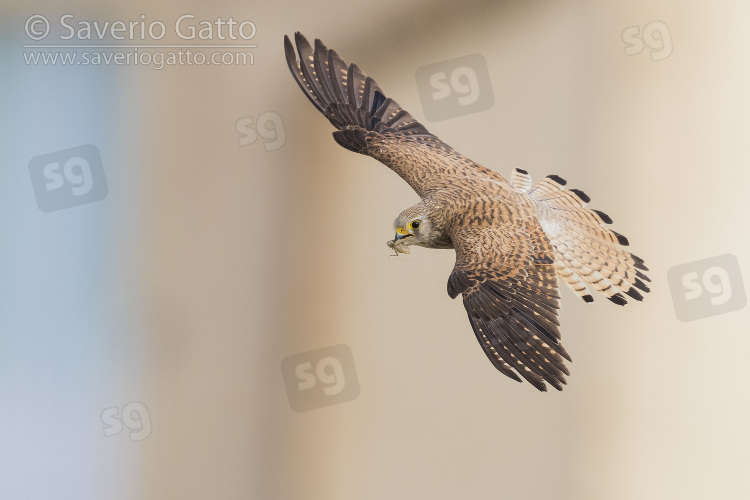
x,y
513,240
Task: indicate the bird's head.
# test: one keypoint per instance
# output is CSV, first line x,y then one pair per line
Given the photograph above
x,y
414,226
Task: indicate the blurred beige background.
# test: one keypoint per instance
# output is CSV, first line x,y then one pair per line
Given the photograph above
x,y
209,262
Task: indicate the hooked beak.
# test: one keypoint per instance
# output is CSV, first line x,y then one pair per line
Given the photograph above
x,y
401,234
397,244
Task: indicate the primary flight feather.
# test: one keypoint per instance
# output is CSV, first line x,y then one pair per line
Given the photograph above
x,y
513,240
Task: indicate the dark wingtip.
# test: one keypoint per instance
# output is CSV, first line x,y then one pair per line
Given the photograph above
x,y
557,179
291,55
583,196
618,299
302,45
587,298
642,276
320,46
562,352
522,171
606,218
622,240
300,38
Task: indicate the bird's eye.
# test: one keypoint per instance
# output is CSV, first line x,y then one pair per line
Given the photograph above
x,y
414,224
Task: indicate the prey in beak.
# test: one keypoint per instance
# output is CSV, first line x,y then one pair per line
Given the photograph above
x,y
398,244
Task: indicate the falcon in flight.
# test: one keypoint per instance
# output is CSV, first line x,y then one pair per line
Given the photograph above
x,y
513,239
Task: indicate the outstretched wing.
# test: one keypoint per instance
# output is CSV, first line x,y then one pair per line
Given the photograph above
x,y
350,99
507,277
370,123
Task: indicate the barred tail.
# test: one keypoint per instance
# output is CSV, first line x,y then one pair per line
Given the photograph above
x,y
587,254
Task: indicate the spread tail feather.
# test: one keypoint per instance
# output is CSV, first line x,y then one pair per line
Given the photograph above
x,y
588,256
